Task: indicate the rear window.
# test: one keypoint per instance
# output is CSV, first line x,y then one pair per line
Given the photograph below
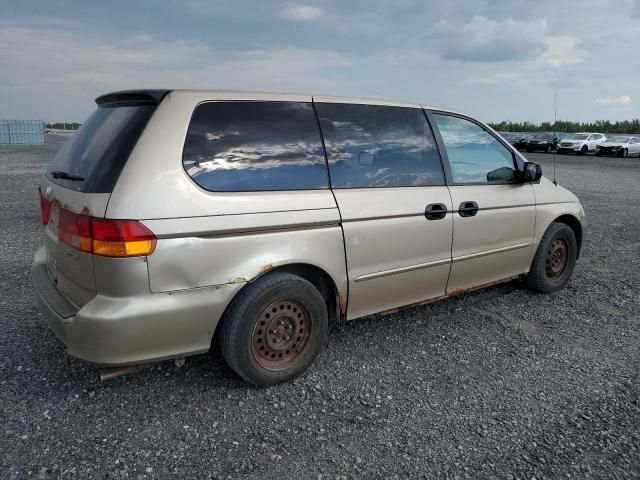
x,y
371,146
92,160
245,146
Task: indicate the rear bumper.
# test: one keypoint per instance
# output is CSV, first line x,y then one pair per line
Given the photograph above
x,y
130,330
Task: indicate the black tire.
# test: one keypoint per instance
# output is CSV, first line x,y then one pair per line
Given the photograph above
x,y
584,150
545,275
625,153
549,149
598,154
256,337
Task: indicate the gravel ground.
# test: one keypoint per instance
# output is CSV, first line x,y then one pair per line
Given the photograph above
x,y
500,383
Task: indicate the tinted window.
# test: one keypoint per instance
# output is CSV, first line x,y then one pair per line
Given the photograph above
x,y
255,146
97,153
475,156
379,146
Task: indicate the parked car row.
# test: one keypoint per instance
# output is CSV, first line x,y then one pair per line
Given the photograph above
x,y
518,140
578,143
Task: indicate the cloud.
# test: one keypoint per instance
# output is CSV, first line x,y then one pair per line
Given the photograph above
x,y
297,12
498,78
621,101
561,51
485,40
69,66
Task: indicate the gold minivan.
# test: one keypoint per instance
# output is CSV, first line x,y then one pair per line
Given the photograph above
x,y
173,215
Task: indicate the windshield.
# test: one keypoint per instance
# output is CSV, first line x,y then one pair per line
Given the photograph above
x,y
91,161
619,140
544,136
578,136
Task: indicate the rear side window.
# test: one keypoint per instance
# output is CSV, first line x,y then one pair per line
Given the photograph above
x,y
92,160
475,156
255,146
379,146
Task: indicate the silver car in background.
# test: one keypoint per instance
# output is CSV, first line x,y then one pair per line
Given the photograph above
x,y
620,146
581,143
172,216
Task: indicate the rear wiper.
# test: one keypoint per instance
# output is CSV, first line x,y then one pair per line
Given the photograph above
x,y
66,176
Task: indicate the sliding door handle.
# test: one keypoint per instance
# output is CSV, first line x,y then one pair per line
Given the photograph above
x,y
468,209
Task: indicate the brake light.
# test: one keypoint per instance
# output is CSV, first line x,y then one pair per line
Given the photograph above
x,y
121,238
74,230
45,209
108,238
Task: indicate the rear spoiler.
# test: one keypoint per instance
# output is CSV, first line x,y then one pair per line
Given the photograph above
x,y
131,97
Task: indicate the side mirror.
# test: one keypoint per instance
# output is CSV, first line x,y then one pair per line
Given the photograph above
x,y
532,172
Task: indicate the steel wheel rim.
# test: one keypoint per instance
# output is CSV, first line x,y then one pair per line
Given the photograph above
x,y
281,334
557,259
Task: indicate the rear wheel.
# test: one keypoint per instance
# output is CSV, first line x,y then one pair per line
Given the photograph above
x,y
555,259
274,329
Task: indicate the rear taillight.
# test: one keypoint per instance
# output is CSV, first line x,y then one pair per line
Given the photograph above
x,y
108,238
45,209
121,238
74,230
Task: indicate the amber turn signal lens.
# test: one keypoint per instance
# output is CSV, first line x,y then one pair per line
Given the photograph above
x,y
108,238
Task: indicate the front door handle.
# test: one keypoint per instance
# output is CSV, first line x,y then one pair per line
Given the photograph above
x,y
435,211
468,209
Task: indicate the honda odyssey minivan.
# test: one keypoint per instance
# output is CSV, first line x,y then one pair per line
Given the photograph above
x,y
175,215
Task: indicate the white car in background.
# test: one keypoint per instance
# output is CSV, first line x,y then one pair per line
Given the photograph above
x,y
620,146
581,143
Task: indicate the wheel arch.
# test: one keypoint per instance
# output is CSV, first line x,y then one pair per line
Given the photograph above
x,y
575,225
335,300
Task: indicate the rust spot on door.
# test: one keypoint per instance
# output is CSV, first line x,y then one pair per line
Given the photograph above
x,y
266,268
343,303
237,280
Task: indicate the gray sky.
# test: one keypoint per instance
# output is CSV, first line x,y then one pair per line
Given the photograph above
x,y
497,59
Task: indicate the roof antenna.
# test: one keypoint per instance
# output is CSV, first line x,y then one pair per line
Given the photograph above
x,y
555,126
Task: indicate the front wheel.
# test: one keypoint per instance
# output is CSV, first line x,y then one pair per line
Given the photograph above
x,y
625,153
554,260
584,150
274,329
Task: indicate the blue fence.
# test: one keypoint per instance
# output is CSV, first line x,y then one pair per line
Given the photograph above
x,y
22,132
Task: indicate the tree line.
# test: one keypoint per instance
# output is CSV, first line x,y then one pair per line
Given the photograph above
x,y
601,126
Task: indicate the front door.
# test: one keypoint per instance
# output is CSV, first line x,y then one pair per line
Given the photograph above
x,y
387,177
494,219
